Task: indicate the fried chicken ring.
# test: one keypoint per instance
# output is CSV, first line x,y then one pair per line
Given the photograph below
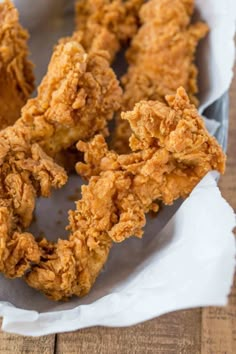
x,y
172,152
75,100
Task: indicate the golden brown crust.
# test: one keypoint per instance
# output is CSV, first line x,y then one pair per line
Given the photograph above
x,y
26,172
172,151
105,24
16,71
76,99
161,58
102,25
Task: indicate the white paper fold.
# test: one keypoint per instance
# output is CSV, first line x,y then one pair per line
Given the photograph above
x,y
190,263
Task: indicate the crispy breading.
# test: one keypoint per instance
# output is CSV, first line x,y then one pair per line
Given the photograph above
x,y
76,99
106,24
25,173
102,25
16,71
172,151
161,58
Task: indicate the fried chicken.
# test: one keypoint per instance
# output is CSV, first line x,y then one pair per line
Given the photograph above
x,y
77,97
161,58
172,151
102,25
16,71
106,24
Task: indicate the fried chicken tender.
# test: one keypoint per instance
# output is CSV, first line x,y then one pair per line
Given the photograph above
x,y
77,97
16,71
172,151
106,24
161,58
102,25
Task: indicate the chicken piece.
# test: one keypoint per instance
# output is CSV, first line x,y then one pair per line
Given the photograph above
x,y
161,58
77,97
16,71
172,151
102,25
105,24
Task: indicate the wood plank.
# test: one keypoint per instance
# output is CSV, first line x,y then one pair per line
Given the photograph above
x,y
11,343
219,328
178,332
219,324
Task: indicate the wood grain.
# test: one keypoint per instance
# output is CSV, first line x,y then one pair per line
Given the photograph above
x,y
219,328
172,333
11,343
208,331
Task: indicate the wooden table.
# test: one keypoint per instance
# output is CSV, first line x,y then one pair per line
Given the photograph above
x,y
207,331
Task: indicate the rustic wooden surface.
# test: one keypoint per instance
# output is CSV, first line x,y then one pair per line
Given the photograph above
x,y
206,331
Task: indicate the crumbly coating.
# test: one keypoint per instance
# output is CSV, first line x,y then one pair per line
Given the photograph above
x,y
76,99
161,58
25,173
102,25
16,70
106,24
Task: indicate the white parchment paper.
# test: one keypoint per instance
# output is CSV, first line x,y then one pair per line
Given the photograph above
x,y
190,263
